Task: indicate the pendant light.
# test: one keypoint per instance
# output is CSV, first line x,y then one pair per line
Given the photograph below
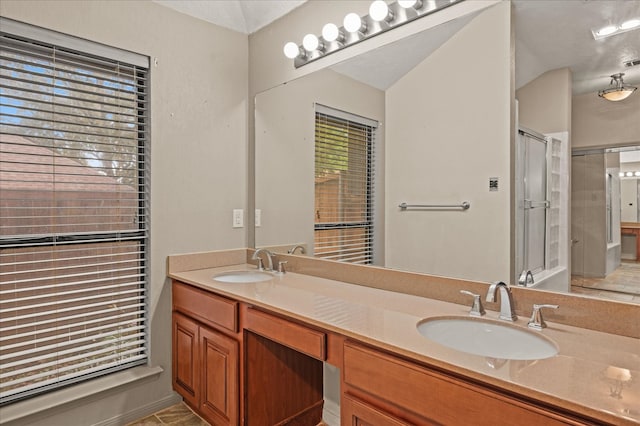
x,y
618,90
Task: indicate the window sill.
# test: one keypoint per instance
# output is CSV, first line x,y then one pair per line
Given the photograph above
x,y
41,403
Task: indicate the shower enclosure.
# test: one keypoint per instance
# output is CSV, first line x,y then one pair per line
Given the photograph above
x,y
539,206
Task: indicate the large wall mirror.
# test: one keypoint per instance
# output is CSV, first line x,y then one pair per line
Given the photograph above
x,y
438,106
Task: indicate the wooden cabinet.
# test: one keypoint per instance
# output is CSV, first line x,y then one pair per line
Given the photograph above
x,y
206,361
399,392
240,365
357,413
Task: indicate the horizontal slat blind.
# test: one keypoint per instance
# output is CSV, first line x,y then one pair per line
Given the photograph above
x,y
73,216
343,188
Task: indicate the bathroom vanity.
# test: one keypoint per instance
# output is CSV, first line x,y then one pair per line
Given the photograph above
x,y
253,352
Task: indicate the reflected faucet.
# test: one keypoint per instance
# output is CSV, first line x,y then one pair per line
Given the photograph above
x,y
296,247
256,256
526,279
507,311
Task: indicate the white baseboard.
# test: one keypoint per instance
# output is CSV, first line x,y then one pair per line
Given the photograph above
x,y
141,412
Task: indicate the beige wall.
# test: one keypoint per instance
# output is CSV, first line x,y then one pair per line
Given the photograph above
x,y
198,144
285,145
448,131
544,104
599,123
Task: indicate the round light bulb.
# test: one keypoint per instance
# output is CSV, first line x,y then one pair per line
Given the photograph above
x,y
607,30
636,173
621,174
379,10
330,32
310,42
352,22
631,23
291,50
407,3
629,174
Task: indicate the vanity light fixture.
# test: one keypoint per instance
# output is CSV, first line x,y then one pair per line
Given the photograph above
x,y
310,43
379,11
354,24
292,50
618,90
382,17
331,33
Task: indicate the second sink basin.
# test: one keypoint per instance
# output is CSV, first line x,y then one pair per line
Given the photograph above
x,y
243,277
487,338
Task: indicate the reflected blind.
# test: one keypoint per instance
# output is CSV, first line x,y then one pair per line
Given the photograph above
x,y
344,159
74,209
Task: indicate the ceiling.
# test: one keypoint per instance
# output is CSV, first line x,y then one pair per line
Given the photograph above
x,y
244,16
550,34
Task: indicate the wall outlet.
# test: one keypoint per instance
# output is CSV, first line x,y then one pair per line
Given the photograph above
x,y
238,218
258,217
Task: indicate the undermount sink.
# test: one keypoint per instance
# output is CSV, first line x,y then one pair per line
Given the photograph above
x,y
243,277
487,338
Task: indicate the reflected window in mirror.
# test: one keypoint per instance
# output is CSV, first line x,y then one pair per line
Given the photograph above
x,y
344,158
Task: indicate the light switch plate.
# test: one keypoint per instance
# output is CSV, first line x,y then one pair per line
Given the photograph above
x,y
258,217
238,218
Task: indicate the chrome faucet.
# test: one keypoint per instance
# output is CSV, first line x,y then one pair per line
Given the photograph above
x,y
526,279
256,256
296,247
507,311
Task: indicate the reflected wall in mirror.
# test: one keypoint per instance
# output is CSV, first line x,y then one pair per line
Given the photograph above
x,y
443,133
444,102
606,229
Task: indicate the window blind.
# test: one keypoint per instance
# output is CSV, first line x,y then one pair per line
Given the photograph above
x,y
74,210
343,187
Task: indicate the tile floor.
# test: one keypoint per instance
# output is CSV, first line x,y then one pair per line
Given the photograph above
x,y
621,285
176,415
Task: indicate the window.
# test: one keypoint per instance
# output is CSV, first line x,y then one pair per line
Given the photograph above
x,y
343,186
74,209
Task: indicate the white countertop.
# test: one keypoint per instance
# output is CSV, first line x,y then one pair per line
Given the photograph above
x,y
579,378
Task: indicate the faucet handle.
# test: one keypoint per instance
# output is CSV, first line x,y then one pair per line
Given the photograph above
x,y
260,264
537,322
281,269
477,310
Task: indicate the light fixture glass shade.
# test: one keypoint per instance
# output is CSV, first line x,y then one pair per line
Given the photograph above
x,y
629,174
621,174
409,3
330,32
310,42
379,10
352,22
619,90
291,50
610,29
631,23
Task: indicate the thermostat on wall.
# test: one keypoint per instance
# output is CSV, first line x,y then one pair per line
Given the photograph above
x,y
493,184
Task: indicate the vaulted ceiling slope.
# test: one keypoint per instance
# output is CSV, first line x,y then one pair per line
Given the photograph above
x,y
245,16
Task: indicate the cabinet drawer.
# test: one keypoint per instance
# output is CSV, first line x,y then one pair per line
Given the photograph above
x,y
295,336
400,386
210,309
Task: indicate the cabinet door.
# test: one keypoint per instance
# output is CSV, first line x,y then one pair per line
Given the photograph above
x,y
186,377
356,413
220,380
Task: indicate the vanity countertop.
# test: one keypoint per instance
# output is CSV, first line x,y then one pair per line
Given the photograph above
x,y
585,376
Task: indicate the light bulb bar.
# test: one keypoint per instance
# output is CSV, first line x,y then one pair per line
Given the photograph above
x,y
382,17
